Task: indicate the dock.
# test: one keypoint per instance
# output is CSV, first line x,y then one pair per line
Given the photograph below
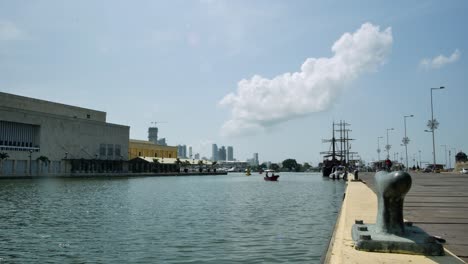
x,y
438,203
360,202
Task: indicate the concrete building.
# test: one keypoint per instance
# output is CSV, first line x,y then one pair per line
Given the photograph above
x,y
214,152
255,159
197,156
222,153
190,152
142,148
67,138
230,153
182,151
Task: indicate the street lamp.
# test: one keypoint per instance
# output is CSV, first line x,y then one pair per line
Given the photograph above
x,y
387,147
406,140
419,158
30,162
433,124
445,147
378,147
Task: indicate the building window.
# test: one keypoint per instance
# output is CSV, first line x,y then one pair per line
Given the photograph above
x,y
110,150
117,150
88,116
102,149
19,136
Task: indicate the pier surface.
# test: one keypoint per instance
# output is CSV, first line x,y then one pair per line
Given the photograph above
x,y
438,203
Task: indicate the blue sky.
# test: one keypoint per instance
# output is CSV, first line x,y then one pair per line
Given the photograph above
x,y
176,61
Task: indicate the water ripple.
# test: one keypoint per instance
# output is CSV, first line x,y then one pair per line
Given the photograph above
x,y
219,219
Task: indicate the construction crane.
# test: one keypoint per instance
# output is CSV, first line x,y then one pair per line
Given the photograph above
x,y
158,122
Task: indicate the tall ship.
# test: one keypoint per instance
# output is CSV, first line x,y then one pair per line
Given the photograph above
x,y
339,150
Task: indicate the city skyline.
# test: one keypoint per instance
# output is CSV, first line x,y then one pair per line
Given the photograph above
x,y
265,77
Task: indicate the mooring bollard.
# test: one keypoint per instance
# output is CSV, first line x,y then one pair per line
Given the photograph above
x,y
391,191
390,233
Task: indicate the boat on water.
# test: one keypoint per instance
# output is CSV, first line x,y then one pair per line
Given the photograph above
x,y
339,151
271,177
247,172
338,172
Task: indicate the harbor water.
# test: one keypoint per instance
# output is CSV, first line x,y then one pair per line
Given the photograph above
x,y
183,219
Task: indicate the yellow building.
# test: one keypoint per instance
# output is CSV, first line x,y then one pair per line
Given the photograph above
x,y
142,148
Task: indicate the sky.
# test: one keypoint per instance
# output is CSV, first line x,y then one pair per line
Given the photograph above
x,y
267,77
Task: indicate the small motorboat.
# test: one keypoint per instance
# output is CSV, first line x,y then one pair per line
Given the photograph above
x,y
271,177
464,171
247,172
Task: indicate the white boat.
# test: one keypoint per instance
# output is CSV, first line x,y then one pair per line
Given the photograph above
x,y
464,171
338,172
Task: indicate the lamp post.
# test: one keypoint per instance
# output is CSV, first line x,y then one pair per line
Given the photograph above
x,y
433,124
378,147
406,140
30,162
387,147
445,147
419,158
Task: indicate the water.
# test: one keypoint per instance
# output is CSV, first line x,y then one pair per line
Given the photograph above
x,y
191,219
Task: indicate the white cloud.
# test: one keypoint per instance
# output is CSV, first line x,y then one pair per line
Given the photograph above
x,y
439,61
260,102
8,31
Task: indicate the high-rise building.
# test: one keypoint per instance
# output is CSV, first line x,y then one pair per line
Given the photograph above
x,y
197,156
222,153
182,151
214,152
230,153
153,134
190,152
255,159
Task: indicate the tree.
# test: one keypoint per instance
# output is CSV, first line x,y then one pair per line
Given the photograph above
x,y
290,164
306,166
200,165
44,160
3,156
263,166
156,163
177,163
274,166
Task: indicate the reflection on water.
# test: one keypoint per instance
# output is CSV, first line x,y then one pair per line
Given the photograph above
x,y
192,219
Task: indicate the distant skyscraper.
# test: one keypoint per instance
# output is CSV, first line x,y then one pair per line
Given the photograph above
x,y
162,142
190,152
153,134
197,155
222,153
255,158
214,152
230,153
182,151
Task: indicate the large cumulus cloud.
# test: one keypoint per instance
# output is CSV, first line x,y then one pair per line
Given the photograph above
x,y
260,102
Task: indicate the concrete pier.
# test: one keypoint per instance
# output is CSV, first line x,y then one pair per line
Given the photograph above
x,y
438,203
360,202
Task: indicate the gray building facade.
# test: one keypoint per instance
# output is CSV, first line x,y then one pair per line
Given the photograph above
x,y
64,134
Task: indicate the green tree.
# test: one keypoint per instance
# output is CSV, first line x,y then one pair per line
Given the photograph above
x,y
3,156
177,163
263,166
200,165
306,166
44,160
274,166
290,164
